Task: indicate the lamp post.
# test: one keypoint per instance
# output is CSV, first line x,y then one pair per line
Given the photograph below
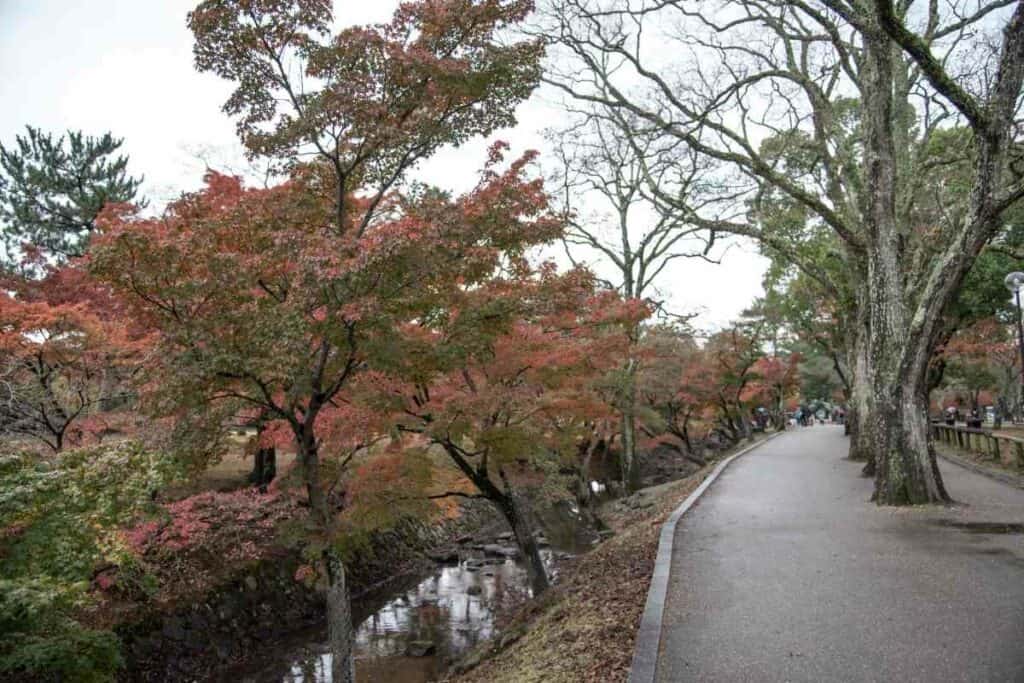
x,y
1014,281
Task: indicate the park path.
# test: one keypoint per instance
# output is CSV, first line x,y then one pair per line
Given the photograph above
x,y
783,571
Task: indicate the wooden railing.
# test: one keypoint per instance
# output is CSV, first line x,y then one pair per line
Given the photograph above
x,y
1008,450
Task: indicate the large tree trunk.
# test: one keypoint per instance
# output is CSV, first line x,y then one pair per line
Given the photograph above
x,y
894,424
906,472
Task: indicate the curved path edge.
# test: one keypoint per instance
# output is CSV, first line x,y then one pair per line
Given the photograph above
x,y
648,637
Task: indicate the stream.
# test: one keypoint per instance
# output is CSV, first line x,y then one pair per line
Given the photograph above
x,y
412,632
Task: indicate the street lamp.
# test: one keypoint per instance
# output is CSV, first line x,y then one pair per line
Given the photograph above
x,y
1014,281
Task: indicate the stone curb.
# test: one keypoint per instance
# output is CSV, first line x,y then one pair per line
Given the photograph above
x,y
1003,477
648,637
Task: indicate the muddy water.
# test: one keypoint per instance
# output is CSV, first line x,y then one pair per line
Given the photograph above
x,y
447,612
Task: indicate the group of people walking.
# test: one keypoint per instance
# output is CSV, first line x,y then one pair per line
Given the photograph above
x,y
804,417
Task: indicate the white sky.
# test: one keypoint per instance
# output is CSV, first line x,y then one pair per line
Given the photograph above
x,y
126,66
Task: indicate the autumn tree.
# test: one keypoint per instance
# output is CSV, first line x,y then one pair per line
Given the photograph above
x,y
279,299
795,72
676,384
982,357
370,101
733,354
261,304
502,384
776,381
52,190
65,354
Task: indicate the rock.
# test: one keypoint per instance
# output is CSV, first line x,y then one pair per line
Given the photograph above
x,y
471,661
495,550
505,536
474,590
543,542
251,583
444,555
420,648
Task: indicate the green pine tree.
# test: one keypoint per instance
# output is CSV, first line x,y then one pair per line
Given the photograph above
x,y
52,190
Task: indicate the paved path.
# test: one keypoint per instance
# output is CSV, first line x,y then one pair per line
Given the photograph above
x,y
784,571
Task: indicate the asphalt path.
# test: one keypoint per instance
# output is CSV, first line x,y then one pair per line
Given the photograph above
x,y
784,571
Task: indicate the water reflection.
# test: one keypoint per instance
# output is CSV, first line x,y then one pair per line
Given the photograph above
x,y
447,614
412,634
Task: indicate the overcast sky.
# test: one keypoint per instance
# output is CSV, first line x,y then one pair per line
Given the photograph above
x,y
126,66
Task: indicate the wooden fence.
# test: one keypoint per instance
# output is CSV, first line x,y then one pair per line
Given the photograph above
x,y
1008,450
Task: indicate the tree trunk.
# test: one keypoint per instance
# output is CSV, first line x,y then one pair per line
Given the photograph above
x,y
339,620
906,472
108,387
745,427
893,424
515,512
779,418
630,470
584,494
339,610
860,388
518,515
629,465
264,468
520,519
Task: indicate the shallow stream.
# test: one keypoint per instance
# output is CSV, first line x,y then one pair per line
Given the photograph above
x,y
413,632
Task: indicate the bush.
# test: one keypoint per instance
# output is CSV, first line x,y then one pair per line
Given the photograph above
x,y
59,520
